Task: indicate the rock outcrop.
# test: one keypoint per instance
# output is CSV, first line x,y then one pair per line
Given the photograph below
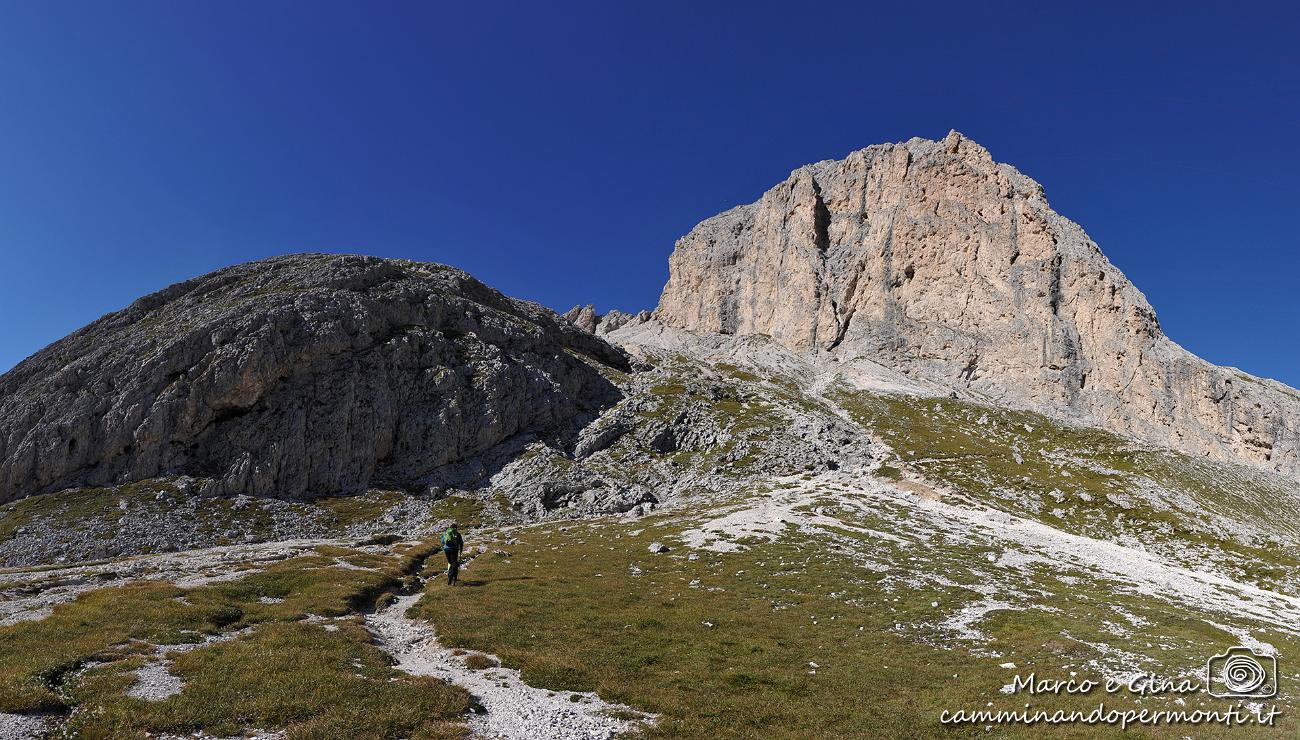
x,y
297,376
932,258
586,319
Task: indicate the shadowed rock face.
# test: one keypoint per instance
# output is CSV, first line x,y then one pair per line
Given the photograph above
x,y
296,376
933,259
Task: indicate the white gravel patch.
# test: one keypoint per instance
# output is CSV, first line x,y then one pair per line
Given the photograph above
x,y
515,710
21,727
962,623
1245,639
345,565
18,612
155,682
765,518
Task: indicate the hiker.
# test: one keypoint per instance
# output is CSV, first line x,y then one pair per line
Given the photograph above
x,y
451,547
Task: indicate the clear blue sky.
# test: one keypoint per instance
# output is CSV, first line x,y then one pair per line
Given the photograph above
x,y
556,150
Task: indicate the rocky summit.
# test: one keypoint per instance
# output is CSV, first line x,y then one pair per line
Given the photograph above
x,y
935,260
303,375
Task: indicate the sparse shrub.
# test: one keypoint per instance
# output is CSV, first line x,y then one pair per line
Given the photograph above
x,y
479,662
889,472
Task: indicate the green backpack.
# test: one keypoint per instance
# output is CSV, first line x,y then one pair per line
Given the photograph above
x,y
449,539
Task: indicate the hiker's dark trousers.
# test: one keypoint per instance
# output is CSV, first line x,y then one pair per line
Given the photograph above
x,y
453,564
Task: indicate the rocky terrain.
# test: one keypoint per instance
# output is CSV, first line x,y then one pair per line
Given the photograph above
x,y
937,261
963,545
681,428
297,376
896,435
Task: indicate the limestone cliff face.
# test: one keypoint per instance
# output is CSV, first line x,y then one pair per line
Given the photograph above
x,y
299,375
934,259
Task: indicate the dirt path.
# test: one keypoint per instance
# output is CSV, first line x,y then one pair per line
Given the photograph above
x,y
513,708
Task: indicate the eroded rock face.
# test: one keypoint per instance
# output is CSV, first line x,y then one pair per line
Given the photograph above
x,y
299,375
931,258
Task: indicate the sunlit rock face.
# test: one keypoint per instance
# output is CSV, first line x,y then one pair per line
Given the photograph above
x,y
296,376
932,258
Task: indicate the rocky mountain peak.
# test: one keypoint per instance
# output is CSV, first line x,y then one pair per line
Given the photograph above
x,y
299,375
938,261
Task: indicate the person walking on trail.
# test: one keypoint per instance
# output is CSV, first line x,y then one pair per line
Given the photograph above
x,y
452,543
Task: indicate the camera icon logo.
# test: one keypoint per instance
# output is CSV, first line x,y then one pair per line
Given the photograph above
x,y
1241,673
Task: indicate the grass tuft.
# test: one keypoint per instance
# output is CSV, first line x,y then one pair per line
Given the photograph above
x,y
479,662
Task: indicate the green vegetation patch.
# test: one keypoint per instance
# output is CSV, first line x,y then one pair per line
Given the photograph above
x,y
344,511
283,673
468,513
103,624
300,677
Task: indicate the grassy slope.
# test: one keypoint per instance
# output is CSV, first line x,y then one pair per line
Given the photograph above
x,y
588,607
293,675
1095,484
591,608
275,669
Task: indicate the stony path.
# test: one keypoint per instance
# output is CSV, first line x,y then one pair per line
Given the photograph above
x,y
513,708
509,708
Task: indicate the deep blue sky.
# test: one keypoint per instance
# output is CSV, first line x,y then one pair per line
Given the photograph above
x,y
556,150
